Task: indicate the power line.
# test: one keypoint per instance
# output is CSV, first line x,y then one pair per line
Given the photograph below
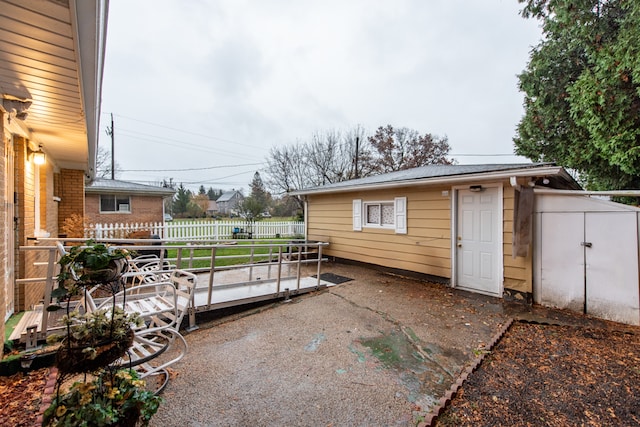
x,y
191,169
186,131
156,139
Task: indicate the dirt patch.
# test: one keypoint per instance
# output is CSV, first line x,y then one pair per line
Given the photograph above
x,y
546,375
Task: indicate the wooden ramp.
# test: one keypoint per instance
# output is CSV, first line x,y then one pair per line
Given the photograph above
x,y
268,271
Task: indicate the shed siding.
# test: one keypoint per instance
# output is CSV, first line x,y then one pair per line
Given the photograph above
x,y
426,248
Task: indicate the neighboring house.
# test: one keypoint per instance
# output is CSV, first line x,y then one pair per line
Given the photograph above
x,y
515,231
228,202
110,201
51,56
212,210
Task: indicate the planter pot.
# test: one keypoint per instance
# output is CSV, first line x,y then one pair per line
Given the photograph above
x,y
115,269
71,357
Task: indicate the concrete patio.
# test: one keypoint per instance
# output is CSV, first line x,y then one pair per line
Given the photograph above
x,y
379,350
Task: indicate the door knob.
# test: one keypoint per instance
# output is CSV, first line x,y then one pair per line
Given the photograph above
x,y
459,245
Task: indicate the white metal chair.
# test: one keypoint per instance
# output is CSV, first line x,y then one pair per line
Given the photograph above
x,y
162,305
148,269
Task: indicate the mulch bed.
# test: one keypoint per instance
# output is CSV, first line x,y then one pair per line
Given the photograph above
x,y
21,396
546,375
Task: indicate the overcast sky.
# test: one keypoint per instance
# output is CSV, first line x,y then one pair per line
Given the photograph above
x,y
212,85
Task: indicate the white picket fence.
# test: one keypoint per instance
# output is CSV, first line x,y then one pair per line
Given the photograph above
x,y
199,230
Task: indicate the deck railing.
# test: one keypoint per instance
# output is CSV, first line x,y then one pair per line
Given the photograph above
x,y
199,230
230,263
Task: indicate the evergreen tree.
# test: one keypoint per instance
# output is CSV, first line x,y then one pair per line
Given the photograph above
x,y
582,90
181,200
258,192
213,194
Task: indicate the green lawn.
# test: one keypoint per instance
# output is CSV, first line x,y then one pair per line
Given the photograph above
x,y
238,254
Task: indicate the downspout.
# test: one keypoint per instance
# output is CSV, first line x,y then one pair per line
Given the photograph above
x,y
306,218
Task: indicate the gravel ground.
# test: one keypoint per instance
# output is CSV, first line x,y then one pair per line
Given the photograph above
x,y
379,350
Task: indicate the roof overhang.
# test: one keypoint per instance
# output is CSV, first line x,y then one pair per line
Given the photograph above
x,y
561,176
51,69
104,186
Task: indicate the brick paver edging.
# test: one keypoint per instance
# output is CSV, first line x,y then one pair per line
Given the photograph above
x,y
430,418
47,395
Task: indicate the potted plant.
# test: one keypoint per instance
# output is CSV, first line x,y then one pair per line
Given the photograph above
x,y
112,398
91,342
97,338
88,265
94,339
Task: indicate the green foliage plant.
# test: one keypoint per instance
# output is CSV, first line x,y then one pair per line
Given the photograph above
x,y
89,265
108,395
111,398
582,91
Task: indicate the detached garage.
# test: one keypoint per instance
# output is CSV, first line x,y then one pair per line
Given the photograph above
x,y
472,226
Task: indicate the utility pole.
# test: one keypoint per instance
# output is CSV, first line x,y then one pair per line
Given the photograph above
x,y
110,132
357,151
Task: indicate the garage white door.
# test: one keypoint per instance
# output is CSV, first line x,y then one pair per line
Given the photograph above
x,y
478,247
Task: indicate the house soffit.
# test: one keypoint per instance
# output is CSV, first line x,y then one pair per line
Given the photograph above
x,y
51,74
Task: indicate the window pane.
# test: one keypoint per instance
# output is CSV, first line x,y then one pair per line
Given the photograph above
x,y
387,215
373,214
123,204
107,203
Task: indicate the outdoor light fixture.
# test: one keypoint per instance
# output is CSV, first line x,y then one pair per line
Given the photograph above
x,y
26,360
39,158
476,188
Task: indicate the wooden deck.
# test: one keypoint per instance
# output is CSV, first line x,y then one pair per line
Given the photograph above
x,y
35,318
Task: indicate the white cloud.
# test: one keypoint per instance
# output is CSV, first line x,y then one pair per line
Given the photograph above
x,y
242,76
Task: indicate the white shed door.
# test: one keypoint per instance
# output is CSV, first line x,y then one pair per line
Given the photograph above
x,y
562,260
478,251
612,266
592,256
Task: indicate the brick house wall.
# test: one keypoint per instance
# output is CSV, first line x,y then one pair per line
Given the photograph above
x,y
48,205
28,180
69,187
24,177
143,209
